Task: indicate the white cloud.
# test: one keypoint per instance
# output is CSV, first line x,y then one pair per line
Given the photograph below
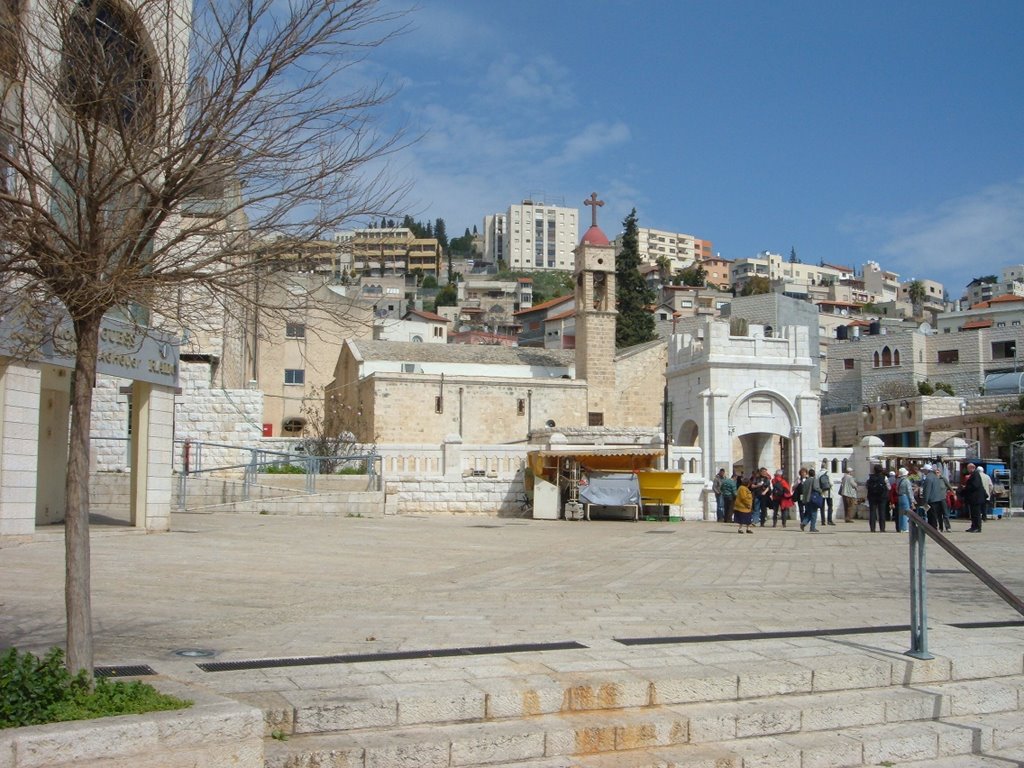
x,y
593,139
958,239
540,84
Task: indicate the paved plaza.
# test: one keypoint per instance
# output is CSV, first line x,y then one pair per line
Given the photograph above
x,y
256,587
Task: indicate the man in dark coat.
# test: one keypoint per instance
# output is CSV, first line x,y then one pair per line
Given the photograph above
x,y
975,497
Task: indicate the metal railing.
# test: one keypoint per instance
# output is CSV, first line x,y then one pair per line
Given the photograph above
x,y
920,531
259,460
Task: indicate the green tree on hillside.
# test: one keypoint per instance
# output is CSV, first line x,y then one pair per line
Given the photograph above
x,y
756,285
634,324
695,276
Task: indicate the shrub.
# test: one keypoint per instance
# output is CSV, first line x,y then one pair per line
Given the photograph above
x,y
285,469
924,388
34,691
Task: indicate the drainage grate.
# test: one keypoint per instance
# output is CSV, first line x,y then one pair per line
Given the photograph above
x,y
760,635
137,670
303,661
989,624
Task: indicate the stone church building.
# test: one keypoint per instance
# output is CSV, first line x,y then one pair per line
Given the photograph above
x,y
387,392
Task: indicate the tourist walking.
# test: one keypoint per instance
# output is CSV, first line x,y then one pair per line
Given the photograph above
x,y
716,488
974,497
893,497
810,495
904,498
798,495
825,488
782,499
933,496
742,509
878,498
728,497
848,490
758,482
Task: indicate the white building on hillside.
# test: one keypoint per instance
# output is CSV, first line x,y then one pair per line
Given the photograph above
x,y
540,236
681,250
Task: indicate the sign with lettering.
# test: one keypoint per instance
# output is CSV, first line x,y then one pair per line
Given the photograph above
x,y
125,350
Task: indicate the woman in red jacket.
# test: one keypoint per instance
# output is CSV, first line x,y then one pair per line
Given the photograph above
x,y
782,499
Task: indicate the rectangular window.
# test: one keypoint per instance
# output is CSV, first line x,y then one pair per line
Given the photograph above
x,y
295,330
438,404
1004,350
848,363
949,355
294,376
521,406
438,332
595,419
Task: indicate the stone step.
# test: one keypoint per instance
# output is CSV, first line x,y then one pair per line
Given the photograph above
x,y
762,731
489,699
927,743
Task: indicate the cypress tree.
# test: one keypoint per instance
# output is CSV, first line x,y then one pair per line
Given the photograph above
x,y
634,324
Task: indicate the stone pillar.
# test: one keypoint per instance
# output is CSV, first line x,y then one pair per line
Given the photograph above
x,y
152,453
451,451
54,427
19,447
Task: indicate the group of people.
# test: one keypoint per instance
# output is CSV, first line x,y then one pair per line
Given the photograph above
x,y
748,502
927,491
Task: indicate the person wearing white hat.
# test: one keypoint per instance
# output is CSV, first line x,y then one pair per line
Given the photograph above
x,y
933,496
904,498
848,491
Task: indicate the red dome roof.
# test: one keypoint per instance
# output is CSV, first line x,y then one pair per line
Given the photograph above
x,y
594,236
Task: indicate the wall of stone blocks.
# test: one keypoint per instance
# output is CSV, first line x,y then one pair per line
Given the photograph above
x,y
640,389
19,440
485,411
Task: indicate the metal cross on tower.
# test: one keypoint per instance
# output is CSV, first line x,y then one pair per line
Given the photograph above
x,y
594,204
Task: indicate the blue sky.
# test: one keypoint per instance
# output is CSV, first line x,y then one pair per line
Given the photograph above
x,y
847,130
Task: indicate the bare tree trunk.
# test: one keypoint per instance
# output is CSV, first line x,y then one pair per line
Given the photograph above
x,y
77,590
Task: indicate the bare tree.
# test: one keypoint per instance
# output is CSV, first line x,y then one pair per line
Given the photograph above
x,y
159,158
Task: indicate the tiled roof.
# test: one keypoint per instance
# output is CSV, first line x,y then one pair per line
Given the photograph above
x,y
412,352
972,325
562,315
427,316
545,304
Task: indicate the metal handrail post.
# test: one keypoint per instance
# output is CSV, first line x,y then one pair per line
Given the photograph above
x,y
249,475
918,594
182,489
312,464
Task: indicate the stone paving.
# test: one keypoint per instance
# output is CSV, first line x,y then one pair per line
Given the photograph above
x,y
251,587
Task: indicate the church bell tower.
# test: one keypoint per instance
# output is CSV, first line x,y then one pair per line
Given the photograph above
x,y
594,270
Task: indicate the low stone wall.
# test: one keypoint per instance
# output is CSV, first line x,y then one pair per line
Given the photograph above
x,y
214,733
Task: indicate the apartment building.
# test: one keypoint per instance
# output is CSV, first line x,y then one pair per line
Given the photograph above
x,y
392,251
681,250
540,236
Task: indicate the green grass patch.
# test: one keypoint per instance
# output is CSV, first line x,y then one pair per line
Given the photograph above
x,y
36,691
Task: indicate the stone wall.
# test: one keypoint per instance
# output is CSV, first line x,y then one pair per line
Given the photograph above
x,y
481,410
641,388
214,732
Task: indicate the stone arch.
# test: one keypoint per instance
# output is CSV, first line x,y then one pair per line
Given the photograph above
x,y
756,418
689,434
875,359
895,356
109,68
886,356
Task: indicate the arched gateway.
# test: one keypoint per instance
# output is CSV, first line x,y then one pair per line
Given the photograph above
x,y
748,401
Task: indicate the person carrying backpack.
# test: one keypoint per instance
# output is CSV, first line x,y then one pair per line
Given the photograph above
x,y
878,498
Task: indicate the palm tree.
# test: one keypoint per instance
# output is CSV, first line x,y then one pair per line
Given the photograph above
x,y
917,294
